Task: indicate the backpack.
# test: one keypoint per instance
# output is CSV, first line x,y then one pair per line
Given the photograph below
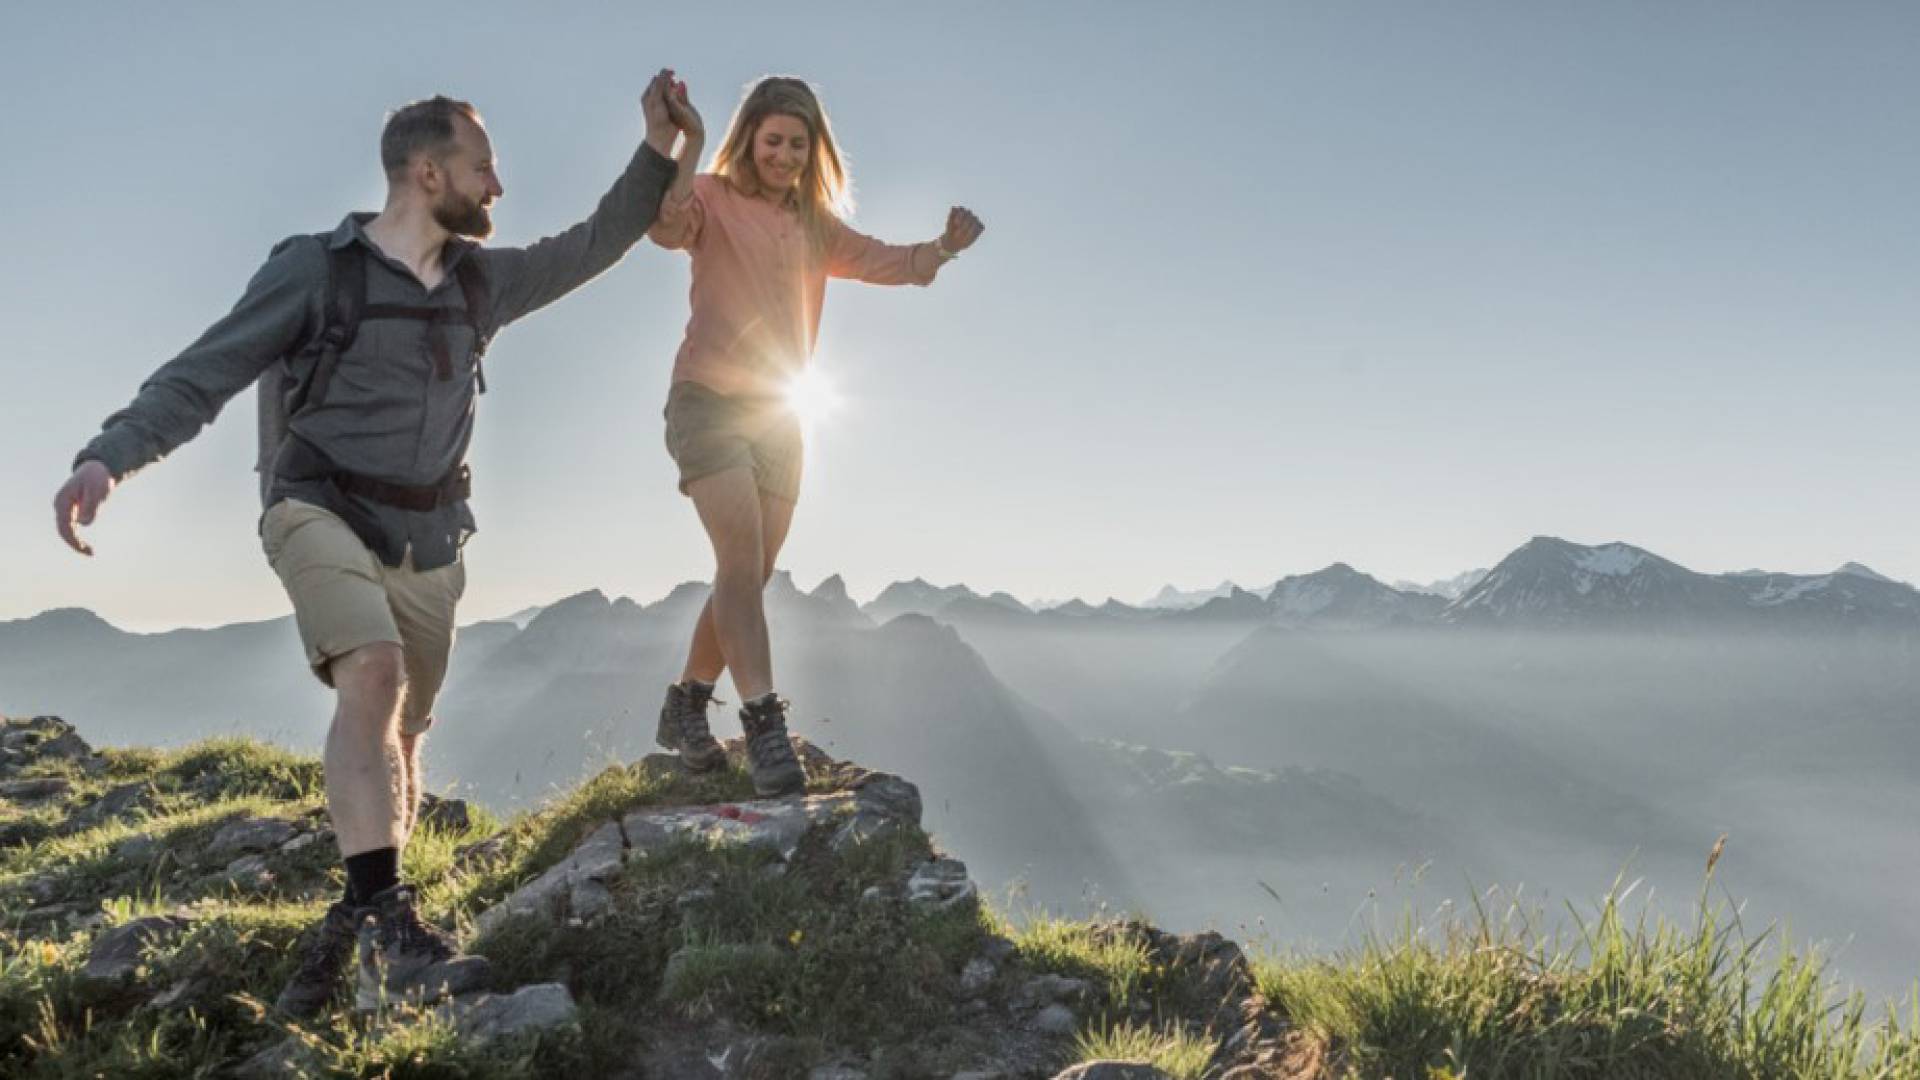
x,y
285,393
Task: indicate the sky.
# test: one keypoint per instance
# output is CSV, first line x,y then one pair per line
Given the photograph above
x,y
1264,286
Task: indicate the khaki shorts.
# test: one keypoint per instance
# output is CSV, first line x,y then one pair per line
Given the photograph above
x,y
344,597
709,432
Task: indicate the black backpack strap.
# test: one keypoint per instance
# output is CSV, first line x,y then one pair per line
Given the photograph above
x,y
346,302
472,275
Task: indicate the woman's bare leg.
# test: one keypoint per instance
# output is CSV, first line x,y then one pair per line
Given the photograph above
x,y
706,661
729,507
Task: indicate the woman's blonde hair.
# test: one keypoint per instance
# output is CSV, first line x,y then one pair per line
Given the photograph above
x,y
825,188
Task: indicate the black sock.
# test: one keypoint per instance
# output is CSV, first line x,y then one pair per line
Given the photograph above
x,y
348,896
763,703
371,873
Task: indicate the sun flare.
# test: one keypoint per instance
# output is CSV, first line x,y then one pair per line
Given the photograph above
x,y
813,398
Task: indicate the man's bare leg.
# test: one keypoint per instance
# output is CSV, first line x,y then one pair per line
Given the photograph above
x,y
365,773
411,775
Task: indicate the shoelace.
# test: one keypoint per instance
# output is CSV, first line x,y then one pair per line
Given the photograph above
x,y
692,720
772,739
412,932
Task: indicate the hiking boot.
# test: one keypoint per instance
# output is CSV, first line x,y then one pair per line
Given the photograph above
x,y
770,758
323,964
683,727
403,958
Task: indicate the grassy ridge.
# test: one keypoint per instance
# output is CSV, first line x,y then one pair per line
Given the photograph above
x,y
1628,997
791,951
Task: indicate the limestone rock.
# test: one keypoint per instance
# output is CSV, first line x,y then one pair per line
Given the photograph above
x,y
447,815
36,789
249,872
119,802
528,1010
140,847
117,952
1056,1019
248,836
976,977
578,882
941,884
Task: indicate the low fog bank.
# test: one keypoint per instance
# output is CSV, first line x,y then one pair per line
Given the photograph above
x,y
1553,761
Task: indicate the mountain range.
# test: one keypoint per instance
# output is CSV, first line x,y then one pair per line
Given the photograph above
x,y
1575,710
1546,583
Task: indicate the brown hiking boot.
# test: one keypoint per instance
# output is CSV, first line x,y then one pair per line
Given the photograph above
x,y
327,950
771,762
683,727
405,959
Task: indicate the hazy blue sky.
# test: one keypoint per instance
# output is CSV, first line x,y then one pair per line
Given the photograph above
x,y
1264,286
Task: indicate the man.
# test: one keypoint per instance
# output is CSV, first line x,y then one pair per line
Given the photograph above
x,y
378,330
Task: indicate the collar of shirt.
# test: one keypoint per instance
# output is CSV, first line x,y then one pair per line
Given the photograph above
x,y
353,228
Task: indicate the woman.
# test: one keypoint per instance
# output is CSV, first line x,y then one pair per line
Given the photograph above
x,y
765,232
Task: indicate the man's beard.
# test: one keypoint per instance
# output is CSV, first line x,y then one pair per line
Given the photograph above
x,y
463,217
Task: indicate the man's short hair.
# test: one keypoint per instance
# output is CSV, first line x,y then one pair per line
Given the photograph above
x,y
422,127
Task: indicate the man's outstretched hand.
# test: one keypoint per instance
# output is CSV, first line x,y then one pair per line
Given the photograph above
x,y
661,129
963,228
78,500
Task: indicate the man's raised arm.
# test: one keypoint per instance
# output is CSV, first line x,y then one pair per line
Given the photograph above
x,y
524,280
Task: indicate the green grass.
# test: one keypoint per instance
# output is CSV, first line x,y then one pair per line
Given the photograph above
x,y
1116,964
1631,998
1174,1051
86,864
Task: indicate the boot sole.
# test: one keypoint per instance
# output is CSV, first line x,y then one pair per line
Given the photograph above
x,y
773,789
666,741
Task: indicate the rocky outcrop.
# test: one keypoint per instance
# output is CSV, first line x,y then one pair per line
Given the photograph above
x,y
851,892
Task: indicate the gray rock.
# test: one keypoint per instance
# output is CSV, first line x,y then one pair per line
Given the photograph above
x,y
249,835
837,1072
864,827
35,789
480,853
1045,989
529,1010
124,800
43,888
299,842
1056,1020
138,848
889,796
976,977
117,952
980,1074
940,884
447,815
997,949
67,744
249,872
578,882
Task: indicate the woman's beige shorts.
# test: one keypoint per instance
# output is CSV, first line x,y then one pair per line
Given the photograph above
x,y
344,597
709,433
